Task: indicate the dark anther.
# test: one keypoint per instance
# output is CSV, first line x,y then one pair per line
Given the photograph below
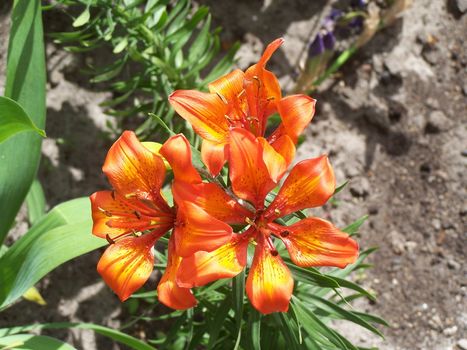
x,y
285,233
110,240
108,213
113,195
137,214
274,253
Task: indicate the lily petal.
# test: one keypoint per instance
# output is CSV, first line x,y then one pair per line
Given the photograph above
x,y
225,262
135,171
168,291
177,151
205,112
212,199
248,172
269,284
196,230
114,216
214,156
286,148
230,90
296,112
310,184
126,265
316,242
274,161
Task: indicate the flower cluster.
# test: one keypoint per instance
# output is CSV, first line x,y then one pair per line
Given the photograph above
x,y
212,225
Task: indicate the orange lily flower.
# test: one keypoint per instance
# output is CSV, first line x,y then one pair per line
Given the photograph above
x,y
134,216
243,100
310,242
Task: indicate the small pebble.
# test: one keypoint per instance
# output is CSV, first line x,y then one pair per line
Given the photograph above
x,y
450,331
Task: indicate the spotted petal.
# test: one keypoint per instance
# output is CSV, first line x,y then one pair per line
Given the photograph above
x,y
135,171
168,291
316,242
310,184
204,111
225,262
269,284
126,265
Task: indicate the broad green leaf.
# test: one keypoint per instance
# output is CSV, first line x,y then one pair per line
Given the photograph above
x,y
254,330
288,331
14,119
25,84
224,64
113,334
35,201
217,322
61,235
32,342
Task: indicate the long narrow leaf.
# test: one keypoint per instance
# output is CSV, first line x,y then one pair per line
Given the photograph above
x,y
25,83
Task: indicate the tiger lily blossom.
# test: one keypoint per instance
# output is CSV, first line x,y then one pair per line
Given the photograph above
x,y
134,216
243,100
254,172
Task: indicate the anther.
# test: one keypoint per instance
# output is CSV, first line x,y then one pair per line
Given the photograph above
x,y
241,93
222,98
257,79
270,98
274,253
130,195
285,233
110,240
137,214
249,221
106,212
277,211
113,195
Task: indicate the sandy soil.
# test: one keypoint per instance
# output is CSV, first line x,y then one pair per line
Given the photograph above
x,y
394,123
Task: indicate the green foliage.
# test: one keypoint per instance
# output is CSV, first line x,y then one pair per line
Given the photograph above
x,y
25,84
14,119
133,343
32,342
35,201
158,46
61,235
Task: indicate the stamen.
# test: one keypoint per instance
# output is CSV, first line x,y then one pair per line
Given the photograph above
x,y
241,93
137,214
110,240
113,195
285,233
277,211
130,195
106,212
257,79
228,118
249,221
274,252
270,98
222,98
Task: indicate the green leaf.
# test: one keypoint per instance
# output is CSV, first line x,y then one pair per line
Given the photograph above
x,y
107,332
353,228
83,18
35,201
14,119
32,342
238,292
311,276
224,64
25,84
217,322
342,313
290,335
254,330
61,235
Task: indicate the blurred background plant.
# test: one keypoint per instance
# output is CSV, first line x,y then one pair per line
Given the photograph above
x,y
157,46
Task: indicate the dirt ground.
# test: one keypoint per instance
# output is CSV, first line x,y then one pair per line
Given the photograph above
x,y
393,122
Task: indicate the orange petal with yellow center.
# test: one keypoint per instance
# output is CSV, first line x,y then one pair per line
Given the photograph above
x,y
296,112
228,86
269,284
310,184
133,170
169,293
205,112
177,151
212,199
114,216
196,230
274,161
126,265
286,148
317,242
225,262
214,156
248,171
